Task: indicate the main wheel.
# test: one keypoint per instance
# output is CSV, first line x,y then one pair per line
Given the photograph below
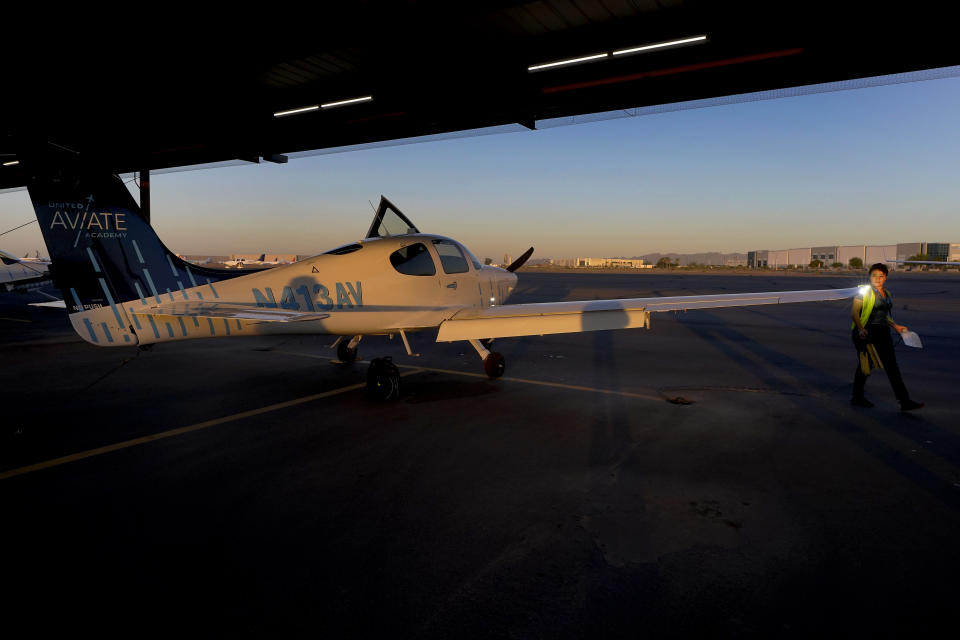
x,y
345,354
383,380
494,364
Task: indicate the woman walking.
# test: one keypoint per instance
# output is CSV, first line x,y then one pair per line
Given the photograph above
x,y
872,321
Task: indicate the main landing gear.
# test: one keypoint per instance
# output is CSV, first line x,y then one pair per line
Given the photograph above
x,y
493,362
383,376
347,350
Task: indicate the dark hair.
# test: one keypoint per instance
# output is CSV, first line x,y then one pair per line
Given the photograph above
x,y
879,266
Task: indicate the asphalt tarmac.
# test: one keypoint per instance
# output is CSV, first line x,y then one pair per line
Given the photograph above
x,y
705,477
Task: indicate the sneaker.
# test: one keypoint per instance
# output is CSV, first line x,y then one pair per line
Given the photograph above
x,y
861,402
910,405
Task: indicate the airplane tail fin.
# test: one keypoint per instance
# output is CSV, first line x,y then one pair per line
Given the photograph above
x,y
104,254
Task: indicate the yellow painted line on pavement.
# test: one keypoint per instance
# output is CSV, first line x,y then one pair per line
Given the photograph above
x,y
176,432
15,319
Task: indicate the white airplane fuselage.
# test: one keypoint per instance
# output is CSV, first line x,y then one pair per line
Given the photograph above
x,y
353,293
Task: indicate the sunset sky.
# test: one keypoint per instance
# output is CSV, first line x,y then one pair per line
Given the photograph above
x,y
876,165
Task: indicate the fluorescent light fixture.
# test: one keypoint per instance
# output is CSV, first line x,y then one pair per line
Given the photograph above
x,y
343,102
660,45
280,114
11,163
317,107
560,63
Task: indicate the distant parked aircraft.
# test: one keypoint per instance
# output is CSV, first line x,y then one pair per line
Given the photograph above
x,y
241,262
23,274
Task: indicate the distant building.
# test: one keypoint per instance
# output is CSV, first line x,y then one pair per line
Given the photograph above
x,y
609,263
844,254
827,255
906,250
938,250
624,263
798,257
883,253
778,259
868,254
758,259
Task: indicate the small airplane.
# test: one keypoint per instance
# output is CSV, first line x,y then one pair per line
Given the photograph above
x,y
123,287
241,262
23,274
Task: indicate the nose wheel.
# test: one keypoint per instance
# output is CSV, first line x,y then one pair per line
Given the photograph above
x,y
494,364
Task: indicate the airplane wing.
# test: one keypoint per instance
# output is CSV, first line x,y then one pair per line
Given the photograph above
x,y
598,315
227,310
53,303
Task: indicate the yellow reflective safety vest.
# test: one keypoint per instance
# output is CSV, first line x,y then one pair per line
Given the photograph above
x,y
869,299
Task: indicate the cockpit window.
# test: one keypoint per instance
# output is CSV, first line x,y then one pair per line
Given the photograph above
x,y
413,260
451,257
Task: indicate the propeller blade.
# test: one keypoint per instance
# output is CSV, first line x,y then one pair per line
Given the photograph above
x,y
516,264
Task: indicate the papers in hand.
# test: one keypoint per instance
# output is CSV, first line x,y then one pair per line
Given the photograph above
x,y
911,339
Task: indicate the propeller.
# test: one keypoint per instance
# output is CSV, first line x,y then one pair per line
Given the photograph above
x,y
516,264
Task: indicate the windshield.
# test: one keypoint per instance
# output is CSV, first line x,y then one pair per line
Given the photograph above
x,y
471,257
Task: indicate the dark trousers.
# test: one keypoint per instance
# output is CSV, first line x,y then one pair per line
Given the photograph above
x,y
880,337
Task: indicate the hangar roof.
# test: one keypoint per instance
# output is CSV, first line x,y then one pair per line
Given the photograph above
x,y
167,91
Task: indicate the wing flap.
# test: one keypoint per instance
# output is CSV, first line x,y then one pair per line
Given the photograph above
x,y
601,315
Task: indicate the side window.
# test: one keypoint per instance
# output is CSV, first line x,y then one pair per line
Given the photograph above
x,y
413,260
451,257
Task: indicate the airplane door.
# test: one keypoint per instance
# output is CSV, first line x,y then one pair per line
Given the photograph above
x,y
458,284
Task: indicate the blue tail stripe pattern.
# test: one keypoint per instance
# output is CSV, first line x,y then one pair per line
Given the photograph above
x,y
89,325
113,305
153,325
102,249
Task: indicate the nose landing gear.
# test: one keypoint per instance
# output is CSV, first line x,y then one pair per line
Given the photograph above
x,y
493,362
